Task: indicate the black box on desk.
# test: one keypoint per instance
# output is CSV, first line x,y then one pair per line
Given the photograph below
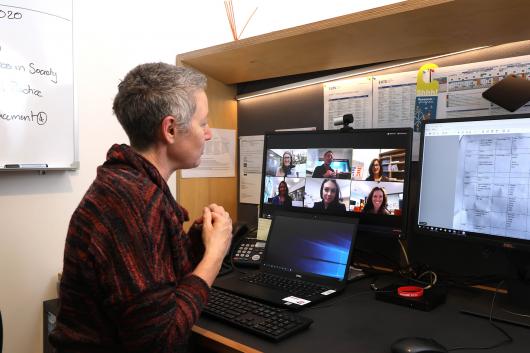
x,y
430,299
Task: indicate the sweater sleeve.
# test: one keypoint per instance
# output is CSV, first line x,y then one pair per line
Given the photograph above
x,y
144,271
151,313
161,320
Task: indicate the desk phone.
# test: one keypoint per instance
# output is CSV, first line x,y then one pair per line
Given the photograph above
x,y
249,252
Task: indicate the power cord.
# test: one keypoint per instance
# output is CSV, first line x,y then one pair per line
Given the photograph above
x,y
507,340
450,279
433,279
404,251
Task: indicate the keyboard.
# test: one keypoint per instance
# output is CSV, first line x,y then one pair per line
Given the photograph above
x,y
294,286
255,317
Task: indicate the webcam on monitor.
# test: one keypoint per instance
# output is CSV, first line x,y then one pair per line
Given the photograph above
x,y
345,122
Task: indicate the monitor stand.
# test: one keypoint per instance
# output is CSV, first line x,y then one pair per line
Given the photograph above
x,y
514,307
503,311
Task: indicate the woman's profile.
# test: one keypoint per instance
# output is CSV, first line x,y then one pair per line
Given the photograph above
x,y
287,166
377,202
375,171
330,195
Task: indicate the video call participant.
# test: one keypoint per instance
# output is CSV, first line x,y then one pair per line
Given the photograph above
x,y
375,171
283,198
133,280
330,195
377,202
325,170
287,167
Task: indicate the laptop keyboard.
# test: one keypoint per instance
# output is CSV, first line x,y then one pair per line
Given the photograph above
x,y
294,286
252,316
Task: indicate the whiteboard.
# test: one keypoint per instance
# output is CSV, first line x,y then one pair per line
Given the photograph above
x,y
38,120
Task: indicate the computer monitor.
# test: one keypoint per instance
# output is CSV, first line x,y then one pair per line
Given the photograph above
x,y
475,182
362,174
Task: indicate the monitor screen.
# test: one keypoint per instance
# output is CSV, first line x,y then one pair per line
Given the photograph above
x,y
475,179
361,174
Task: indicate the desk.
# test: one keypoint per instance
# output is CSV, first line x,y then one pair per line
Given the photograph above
x,y
355,322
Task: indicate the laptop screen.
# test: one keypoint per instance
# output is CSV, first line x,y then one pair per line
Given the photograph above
x,y
311,244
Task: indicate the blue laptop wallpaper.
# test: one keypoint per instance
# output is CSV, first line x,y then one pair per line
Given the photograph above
x,y
307,245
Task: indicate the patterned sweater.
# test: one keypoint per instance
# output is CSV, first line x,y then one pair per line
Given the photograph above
x,y
126,284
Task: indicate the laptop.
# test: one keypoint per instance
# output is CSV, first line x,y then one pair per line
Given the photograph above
x,y
305,261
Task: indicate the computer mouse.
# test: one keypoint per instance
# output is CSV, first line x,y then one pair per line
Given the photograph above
x,y
417,345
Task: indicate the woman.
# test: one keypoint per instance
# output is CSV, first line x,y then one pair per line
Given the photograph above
x,y
283,198
375,171
330,195
377,202
287,167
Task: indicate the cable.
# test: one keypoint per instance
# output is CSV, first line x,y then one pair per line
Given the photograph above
x,y
404,250
463,281
508,338
434,278
251,231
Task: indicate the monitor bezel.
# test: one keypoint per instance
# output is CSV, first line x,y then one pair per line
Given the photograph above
x,y
477,238
374,224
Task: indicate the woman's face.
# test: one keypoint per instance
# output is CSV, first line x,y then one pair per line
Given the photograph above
x,y
282,189
377,199
286,159
376,168
329,192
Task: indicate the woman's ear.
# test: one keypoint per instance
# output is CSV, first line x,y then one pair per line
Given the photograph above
x,y
168,129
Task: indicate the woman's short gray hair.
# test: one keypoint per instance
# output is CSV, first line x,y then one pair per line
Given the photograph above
x,y
149,93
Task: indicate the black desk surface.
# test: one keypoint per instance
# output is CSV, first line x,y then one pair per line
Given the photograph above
x,y
355,322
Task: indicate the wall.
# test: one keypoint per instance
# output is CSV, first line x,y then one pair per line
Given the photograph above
x,y
35,209
110,38
304,107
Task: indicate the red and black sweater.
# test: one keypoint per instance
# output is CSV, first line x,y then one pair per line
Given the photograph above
x,y
126,284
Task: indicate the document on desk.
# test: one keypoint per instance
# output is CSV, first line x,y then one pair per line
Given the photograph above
x,y
351,96
493,189
250,166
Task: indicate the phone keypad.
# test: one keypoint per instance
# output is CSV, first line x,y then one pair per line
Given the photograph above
x,y
248,252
